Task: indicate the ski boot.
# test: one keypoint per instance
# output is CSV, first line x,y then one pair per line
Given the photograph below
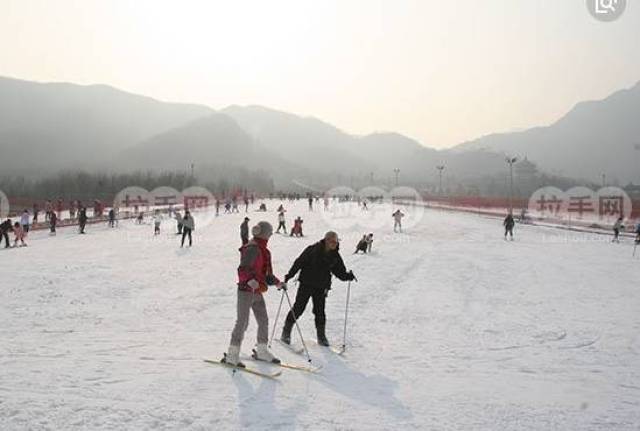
x,y
262,353
233,357
322,338
285,337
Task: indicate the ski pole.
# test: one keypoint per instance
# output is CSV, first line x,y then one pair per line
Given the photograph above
x,y
275,322
346,314
295,321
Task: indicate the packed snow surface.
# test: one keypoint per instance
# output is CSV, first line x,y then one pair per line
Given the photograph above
x,y
450,327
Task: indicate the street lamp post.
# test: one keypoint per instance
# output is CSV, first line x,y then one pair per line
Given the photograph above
x,y
440,168
511,161
396,171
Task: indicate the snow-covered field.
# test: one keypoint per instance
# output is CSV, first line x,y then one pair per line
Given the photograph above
x,y
451,327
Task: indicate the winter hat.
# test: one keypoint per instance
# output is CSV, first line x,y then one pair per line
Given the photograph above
x,y
262,230
246,219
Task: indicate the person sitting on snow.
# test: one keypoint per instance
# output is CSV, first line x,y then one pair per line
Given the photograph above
x,y
297,227
362,245
369,242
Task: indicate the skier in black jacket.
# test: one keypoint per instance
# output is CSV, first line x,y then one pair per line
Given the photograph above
x,y
82,219
5,227
316,265
508,224
244,231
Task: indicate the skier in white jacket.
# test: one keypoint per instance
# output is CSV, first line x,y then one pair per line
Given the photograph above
x,y
397,217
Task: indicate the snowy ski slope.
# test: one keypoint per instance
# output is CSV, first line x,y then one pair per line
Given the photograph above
x,y
451,327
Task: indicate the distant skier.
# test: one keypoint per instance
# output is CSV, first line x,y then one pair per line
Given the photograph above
x,y
263,207
397,220
326,203
188,225
53,221
281,221
296,230
47,209
179,222
246,203
217,207
244,231
36,212
140,218
508,224
24,220
5,228
616,229
82,219
310,202
317,263
255,273
157,220
20,235
112,218
364,205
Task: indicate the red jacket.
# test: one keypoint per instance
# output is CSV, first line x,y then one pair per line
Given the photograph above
x,y
255,263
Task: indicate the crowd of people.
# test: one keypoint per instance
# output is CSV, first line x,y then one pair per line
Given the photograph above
x,y
53,213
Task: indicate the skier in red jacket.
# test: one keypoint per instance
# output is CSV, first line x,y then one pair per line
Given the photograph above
x,y
254,275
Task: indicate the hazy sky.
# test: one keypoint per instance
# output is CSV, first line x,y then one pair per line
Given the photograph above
x,y
439,71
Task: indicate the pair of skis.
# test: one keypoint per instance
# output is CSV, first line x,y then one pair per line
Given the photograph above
x,y
265,374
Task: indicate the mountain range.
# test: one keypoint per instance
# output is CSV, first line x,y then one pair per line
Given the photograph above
x,y
47,127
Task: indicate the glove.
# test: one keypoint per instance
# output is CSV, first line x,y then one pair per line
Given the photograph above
x,y
253,284
351,276
282,286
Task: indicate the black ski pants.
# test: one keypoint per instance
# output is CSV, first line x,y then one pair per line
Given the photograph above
x,y
186,231
302,299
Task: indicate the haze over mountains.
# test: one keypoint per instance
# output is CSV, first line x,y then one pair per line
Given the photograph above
x,y
595,137
48,127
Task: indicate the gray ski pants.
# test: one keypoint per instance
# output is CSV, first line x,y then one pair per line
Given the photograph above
x,y
248,301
